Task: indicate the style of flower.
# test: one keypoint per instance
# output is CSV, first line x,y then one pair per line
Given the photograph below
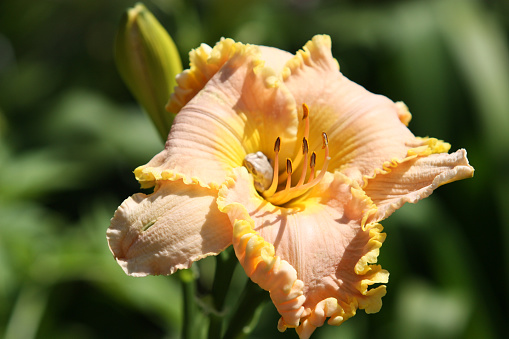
x,y
292,163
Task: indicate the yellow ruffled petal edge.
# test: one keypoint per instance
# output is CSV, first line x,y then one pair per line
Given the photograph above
x,y
313,50
204,63
148,177
403,113
260,263
217,149
421,148
426,167
277,276
337,310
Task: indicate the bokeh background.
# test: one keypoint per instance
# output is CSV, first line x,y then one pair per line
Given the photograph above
x,y
71,134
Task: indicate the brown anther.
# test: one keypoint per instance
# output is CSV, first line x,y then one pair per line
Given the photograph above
x,y
325,140
305,146
312,162
305,111
289,169
277,144
275,172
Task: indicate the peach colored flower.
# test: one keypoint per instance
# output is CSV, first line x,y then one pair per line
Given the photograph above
x,y
303,215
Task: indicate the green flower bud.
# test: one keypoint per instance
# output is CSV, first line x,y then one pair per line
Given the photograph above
x,y
148,62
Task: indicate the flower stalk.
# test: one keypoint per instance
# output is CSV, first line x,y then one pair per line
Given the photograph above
x,y
247,312
188,283
226,262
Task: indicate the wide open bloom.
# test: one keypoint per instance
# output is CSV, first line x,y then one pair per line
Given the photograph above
x,y
295,165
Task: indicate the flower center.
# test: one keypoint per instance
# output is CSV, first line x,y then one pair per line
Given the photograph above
x,y
266,176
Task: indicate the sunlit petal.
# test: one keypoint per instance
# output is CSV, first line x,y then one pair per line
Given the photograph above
x,y
242,109
314,255
205,62
167,230
414,179
364,129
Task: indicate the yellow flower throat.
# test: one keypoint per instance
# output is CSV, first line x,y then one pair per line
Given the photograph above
x,y
266,177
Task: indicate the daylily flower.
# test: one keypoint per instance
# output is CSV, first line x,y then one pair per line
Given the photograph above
x,y
292,163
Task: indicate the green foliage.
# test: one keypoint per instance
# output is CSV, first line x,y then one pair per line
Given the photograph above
x,y
71,134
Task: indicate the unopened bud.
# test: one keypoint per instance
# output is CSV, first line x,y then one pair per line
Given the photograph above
x,y
148,61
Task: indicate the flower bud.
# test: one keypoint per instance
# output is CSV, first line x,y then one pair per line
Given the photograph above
x,y
148,61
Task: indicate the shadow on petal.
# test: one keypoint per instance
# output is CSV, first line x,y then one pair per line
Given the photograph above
x,y
168,229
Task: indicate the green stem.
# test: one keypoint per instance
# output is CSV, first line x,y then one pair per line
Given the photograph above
x,y
27,313
247,311
225,266
188,291
226,263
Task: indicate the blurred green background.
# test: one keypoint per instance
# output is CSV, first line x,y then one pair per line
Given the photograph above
x,y
71,134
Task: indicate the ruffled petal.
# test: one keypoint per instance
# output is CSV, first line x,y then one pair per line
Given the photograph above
x,y
205,62
364,129
415,178
241,109
168,229
314,255
275,58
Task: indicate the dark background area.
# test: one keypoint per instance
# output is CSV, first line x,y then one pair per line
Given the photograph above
x,y
71,134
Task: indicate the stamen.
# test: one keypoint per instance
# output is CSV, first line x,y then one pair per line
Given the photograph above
x,y
288,194
305,146
277,145
305,111
305,149
325,140
289,173
312,164
305,118
275,178
289,169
